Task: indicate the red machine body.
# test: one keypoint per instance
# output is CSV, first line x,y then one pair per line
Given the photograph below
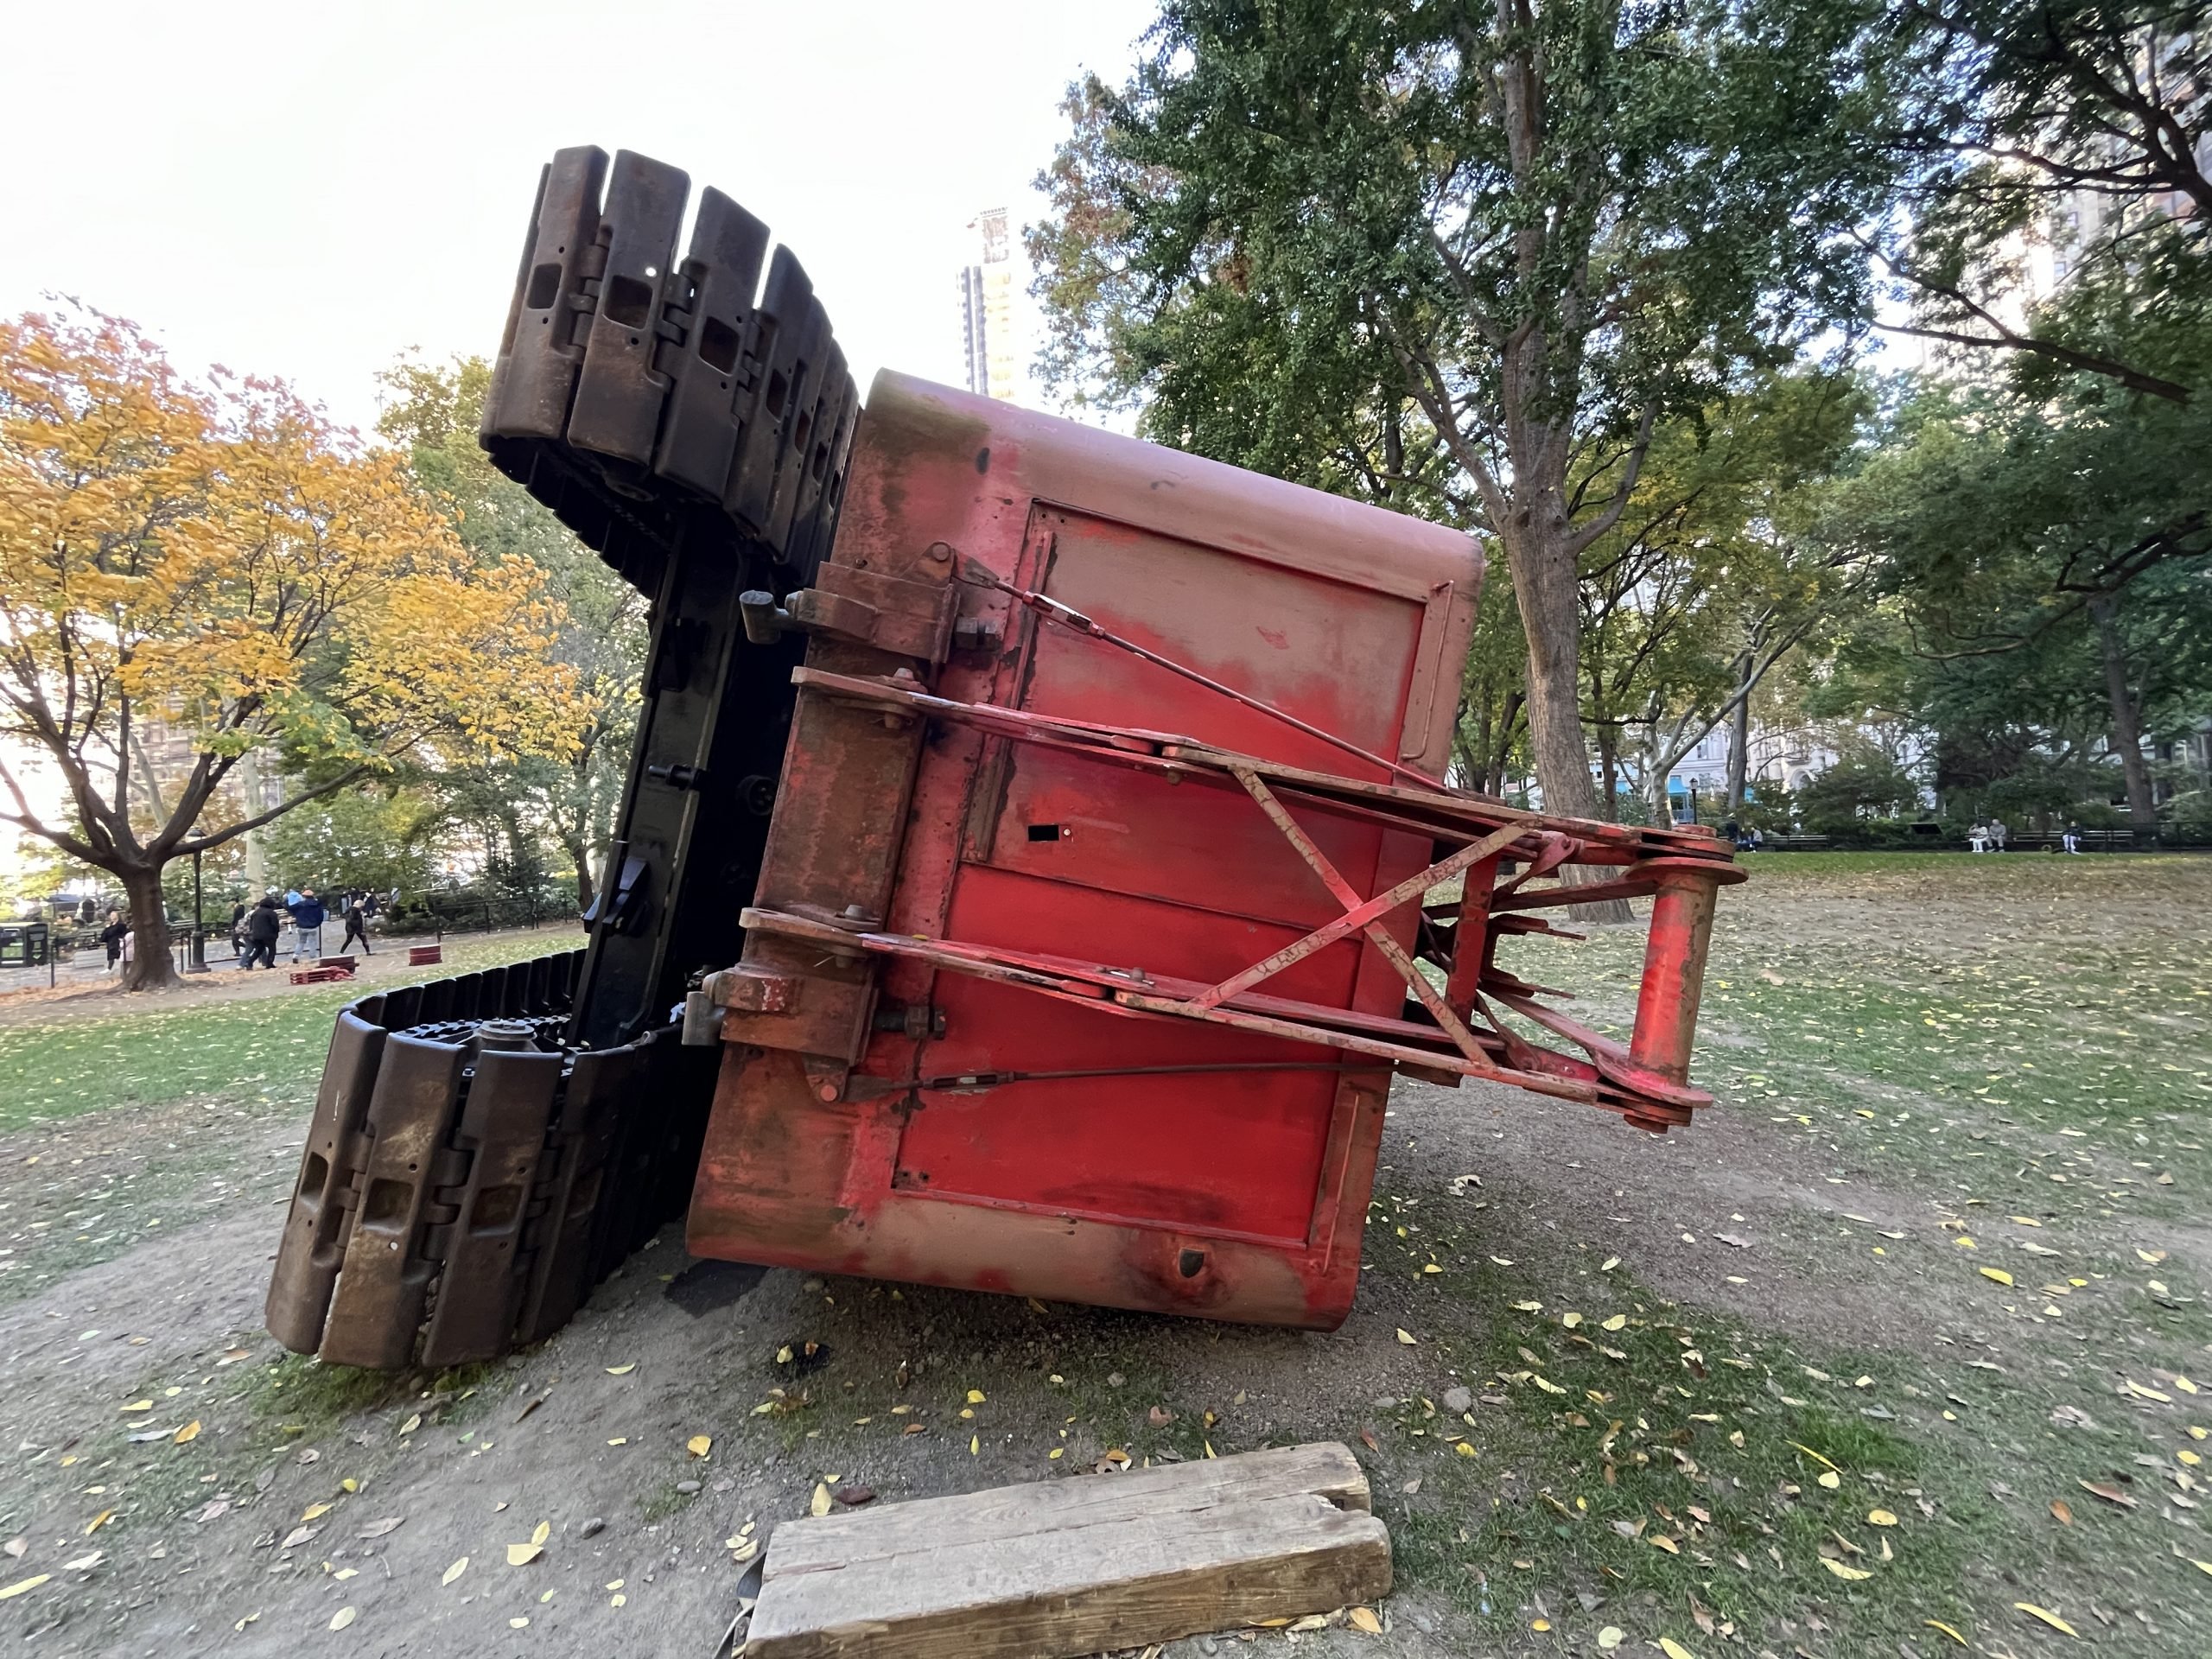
x,y
1181,717
1100,868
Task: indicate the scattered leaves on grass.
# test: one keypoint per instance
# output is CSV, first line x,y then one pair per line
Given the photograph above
x,y
2047,1617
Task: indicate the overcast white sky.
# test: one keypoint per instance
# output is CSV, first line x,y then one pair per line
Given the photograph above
x,y
306,190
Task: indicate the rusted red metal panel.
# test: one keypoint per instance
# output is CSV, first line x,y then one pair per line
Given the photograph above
x,y
1181,1166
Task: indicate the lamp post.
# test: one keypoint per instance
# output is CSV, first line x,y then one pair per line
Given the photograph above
x,y
197,956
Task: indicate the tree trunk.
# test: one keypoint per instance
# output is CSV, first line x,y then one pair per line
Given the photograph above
x,y
2127,719
1739,745
575,848
150,968
1546,582
1609,767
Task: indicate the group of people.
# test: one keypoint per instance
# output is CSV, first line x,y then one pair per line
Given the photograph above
x,y
1987,835
255,930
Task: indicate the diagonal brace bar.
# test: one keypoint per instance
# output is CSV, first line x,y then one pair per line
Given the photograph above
x,y
1360,914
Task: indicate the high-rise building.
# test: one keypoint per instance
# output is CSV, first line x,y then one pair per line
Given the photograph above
x,y
991,340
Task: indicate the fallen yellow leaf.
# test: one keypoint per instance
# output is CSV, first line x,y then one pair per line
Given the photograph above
x,y
1614,1323
1675,1649
22,1584
1363,1618
1998,1274
1407,1337
1938,1625
974,1396
524,1555
2047,1617
622,1370
820,1505
1880,1518
456,1570
100,1521
541,1532
312,1510
1830,1479
189,1432
137,1405
699,1445
342,1618
1842,1571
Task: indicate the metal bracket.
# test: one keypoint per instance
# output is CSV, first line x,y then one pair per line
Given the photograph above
x,y
914,618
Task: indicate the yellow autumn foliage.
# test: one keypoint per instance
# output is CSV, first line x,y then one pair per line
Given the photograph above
x,y
221,556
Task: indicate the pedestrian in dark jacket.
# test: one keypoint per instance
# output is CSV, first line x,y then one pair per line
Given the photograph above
x,y
356,928
308,914
263,924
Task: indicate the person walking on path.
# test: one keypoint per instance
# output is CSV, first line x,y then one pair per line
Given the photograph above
x,y
263,924
307,916
356,928
112,935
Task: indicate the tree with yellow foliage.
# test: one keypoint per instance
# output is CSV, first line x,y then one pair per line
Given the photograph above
x,y
207,572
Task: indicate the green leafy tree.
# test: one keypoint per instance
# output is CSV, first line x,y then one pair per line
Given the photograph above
x,y
2071,130
433,411
1714,573
1541,229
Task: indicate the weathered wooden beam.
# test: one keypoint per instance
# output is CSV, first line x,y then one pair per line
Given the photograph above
x,y
1078,1564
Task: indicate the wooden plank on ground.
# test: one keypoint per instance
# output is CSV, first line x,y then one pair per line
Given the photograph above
x,y
1061,1568
1324,1469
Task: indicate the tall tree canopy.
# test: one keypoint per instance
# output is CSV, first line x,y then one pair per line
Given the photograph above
x,y
2072,130
1514,237
190,574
